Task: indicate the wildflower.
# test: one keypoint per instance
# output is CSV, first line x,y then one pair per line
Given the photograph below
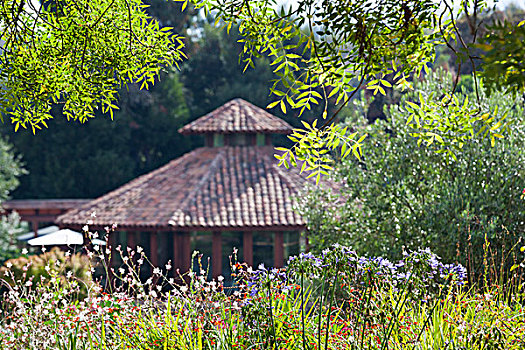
x,y
156,271
85,228
168,266
24,251
9,265
139,249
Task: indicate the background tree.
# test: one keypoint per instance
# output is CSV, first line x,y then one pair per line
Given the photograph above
x,y
86,161
358,44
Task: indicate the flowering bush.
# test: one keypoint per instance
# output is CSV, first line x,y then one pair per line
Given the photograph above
x,y
334,300
71,272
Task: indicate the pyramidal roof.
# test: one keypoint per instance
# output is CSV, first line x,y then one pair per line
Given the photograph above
x,y
222,187
237,116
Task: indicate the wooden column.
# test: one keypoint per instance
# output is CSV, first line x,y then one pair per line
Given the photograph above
x,y
154,249
112,242
131,240
216,256
247,247
34,226
278,249
185,251
176,254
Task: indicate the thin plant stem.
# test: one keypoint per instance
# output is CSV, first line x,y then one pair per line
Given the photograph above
x,y
330,308
302,310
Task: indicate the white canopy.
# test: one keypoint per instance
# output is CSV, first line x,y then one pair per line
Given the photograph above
x,y
60,237
41,232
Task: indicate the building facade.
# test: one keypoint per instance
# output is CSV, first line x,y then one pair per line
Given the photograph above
x,y
229,193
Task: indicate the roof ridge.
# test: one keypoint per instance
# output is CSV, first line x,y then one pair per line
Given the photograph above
x,y
237,116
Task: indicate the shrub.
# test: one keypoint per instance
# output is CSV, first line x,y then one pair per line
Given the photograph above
x,y
56,267
10,227
402,194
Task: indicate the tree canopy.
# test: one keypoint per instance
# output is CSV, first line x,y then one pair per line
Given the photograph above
x,y
350,45
80,54
77,54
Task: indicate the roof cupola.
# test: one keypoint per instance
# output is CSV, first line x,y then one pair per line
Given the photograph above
x,y
237,123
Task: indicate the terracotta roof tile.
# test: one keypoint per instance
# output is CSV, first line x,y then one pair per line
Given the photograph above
x,y
237,116
206,188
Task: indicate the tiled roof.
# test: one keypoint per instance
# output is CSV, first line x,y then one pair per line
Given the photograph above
x,y
237,116
208,188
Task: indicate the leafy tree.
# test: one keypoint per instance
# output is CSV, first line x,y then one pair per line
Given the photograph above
x,y
357,44
78,54
402,194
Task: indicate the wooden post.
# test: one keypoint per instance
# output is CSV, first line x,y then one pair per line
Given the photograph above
x,y
112,242
176,254
34,226
131,240
278,249
247,247
154,249
216,257
185,251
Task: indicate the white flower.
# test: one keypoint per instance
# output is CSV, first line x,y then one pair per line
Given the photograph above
x,y
183,289
85,228
28,283
47,268
139,249
94,214
9,265
24,251
121,271
68,253
69,274
220,278
168,266
156,271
